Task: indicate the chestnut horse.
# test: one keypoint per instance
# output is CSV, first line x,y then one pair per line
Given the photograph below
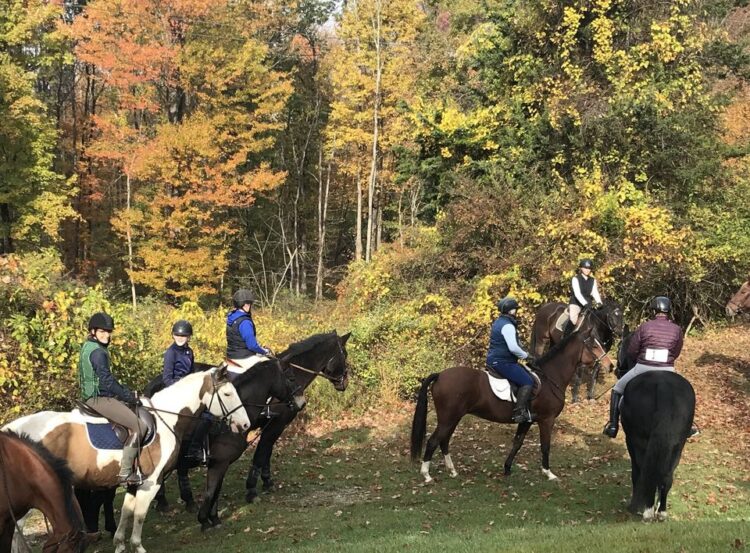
x,y
32,478
459,391
65,435
740,301
607,320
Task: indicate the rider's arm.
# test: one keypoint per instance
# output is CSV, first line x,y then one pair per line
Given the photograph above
x,y
634,346
107,382
595,293
167,374
677,348
248,335
509,333
577,292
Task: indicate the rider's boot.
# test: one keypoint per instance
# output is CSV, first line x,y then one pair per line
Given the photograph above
x,y
568,329
128,475
521,410
614,415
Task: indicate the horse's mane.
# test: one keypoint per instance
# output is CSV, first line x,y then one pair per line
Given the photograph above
x,y
298,348
59,467
252,372
557,348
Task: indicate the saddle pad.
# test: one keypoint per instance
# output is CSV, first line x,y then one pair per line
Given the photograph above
x,y
102,436
501,388
562,320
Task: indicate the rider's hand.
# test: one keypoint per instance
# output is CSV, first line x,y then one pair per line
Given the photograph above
x,y
270,353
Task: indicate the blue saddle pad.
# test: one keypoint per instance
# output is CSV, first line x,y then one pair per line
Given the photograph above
x,y
102,436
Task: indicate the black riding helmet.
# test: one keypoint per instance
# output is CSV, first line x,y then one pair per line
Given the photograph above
x,y
101,321
506,305
586,264
243,296
182,328
661,304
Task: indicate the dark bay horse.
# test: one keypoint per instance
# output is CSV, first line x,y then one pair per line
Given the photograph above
x,y
32,478
321,355
657,414
459,391
607,322
740,301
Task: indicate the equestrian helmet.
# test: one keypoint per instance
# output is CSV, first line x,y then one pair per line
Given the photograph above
x,y
101,321
506,305
182,328
661,304
243,296
586,264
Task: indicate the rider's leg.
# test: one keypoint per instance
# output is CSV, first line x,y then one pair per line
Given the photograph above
x,y
121,414
573,312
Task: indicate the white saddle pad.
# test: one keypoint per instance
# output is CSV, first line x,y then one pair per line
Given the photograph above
x,y
501,388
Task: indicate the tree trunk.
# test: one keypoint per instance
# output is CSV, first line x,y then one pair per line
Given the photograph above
x,y
129,235
376,24
5,225
358,239
322,213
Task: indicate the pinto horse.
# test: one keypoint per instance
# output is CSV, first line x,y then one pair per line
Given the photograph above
x,y
607,321
320,355
740,301
657,414
66,436
32,478
459,391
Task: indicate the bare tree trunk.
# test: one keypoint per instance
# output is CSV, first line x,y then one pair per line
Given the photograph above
x,y
322,213
129,235
376,25
401,218
295,236
358,239
5,228
379,211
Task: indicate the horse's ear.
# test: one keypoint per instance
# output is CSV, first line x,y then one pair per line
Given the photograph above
x,y
626,329
222,372
344,338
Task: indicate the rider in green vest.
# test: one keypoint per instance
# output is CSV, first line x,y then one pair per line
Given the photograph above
x,y
101,391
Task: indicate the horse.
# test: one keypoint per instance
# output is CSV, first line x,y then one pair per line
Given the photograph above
x,y
657,415
462,390
320,355
740,301
66,436
32,478
607,320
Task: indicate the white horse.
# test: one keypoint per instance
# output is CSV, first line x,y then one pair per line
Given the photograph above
x,y
66,436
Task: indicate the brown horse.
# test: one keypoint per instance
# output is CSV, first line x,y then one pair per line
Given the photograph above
x,y
459,391
32,478
740,301
606,320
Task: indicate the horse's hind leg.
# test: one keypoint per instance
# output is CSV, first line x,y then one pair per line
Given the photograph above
x,y
445,449
523,428
545,439
661,514
441,433
109,510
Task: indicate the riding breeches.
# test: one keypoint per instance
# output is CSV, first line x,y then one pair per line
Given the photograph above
x,y
247,362
513,372
635,371
573,311
117,412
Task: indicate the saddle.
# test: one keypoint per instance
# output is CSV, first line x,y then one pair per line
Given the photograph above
x,y
98,436
504,389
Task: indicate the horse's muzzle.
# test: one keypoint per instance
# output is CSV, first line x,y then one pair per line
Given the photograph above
x,y
299,402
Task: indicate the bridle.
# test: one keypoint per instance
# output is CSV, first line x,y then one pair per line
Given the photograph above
x,y
323,372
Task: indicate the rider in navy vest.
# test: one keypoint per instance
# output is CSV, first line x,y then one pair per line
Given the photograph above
x,y
504,353
583,291
242,344
179,358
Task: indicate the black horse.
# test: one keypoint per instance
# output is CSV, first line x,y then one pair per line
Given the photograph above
x,y
321,355
657,415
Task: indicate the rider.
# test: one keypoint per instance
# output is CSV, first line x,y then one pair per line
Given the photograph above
x,y
655,345
583,291
179,362
242,345
504,353
101,391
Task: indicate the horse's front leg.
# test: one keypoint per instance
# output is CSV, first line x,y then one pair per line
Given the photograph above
x,y
207,514
183,480
128,504
143,498
545,437
575,386
592,382
523,428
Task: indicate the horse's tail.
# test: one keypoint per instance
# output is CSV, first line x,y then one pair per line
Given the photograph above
x,y
419,423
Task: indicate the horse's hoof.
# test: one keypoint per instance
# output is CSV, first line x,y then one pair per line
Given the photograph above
x,y
251,496
661,516
215,521
648,514
267,485
454,474
549,474
191,507
162,507
120,548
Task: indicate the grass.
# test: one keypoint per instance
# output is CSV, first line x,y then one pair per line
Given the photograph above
x,y
348,485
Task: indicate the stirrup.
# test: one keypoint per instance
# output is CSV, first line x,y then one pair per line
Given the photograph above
x,y
132,479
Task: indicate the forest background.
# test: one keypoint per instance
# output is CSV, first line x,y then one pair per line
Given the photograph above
x,y
386,167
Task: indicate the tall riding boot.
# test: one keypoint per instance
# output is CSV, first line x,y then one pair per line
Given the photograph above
x,y
521,410
568,329
614,415
128,475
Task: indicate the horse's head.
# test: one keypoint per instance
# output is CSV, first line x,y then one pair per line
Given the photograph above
x,y
610,317
624,364
320,355
740,301
594,352
337,367
221,399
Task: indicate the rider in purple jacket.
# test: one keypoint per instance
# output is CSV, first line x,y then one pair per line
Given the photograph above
x,y
655,345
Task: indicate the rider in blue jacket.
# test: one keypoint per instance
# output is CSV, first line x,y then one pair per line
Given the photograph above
x,y
504,353
242,343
